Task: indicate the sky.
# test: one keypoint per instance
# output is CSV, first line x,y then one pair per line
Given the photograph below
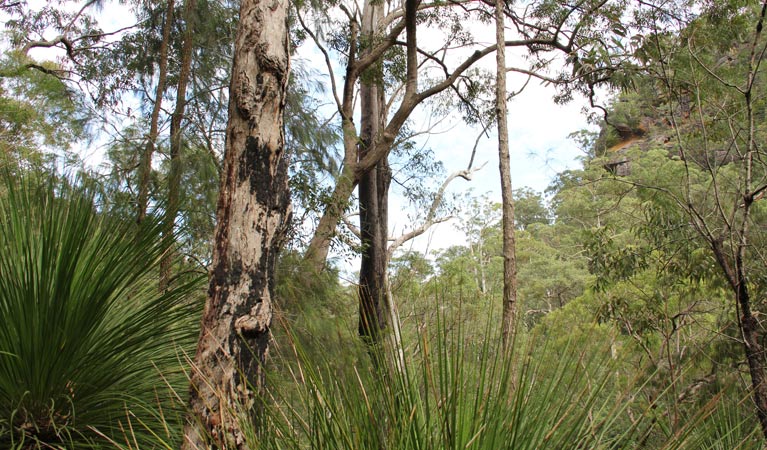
x,y
538,130
539,148
538,139
538,143
112,16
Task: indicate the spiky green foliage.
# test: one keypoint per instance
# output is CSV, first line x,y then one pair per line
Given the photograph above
x,y
453,391
87,344
450,392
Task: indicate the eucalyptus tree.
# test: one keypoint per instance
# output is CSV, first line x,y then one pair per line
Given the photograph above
x,y
373,191
360,61
544,30
710,80
692,178
510,306
374,183
529,209
252,217
145,159
174,172
480,223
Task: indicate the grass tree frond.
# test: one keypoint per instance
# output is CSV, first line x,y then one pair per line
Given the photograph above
x,y
86,332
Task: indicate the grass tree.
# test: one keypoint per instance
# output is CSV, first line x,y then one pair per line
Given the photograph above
x,y
87,343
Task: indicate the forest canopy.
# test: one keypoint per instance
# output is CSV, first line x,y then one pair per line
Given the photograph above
x,y
621,307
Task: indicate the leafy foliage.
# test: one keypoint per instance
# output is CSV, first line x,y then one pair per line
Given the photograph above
x,y
37,113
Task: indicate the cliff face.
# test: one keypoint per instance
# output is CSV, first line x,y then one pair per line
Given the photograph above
x,y
634,123
623,138
663,135
698,107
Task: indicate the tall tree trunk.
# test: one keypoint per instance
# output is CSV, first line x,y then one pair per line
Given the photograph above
x,y
509,243
174,175
482,263
754,351
253,211
748,323
374,203
373,196
145,159
317,250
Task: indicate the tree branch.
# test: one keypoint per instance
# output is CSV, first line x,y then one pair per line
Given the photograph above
x,y
325,54
430,219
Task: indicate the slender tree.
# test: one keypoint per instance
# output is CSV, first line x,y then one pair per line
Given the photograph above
x,y
370,41
145,159
700,172
507,199
373,191
548,28
253,211
174,174
726,224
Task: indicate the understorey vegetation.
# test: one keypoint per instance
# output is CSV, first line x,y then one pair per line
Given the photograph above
x,y
227,277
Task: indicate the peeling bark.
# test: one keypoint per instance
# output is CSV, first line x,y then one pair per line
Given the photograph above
x,y
227,379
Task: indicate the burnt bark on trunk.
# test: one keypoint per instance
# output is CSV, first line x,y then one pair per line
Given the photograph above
x,y
373,196
174,175
145,159
754,354
509,238
749,326
227,379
